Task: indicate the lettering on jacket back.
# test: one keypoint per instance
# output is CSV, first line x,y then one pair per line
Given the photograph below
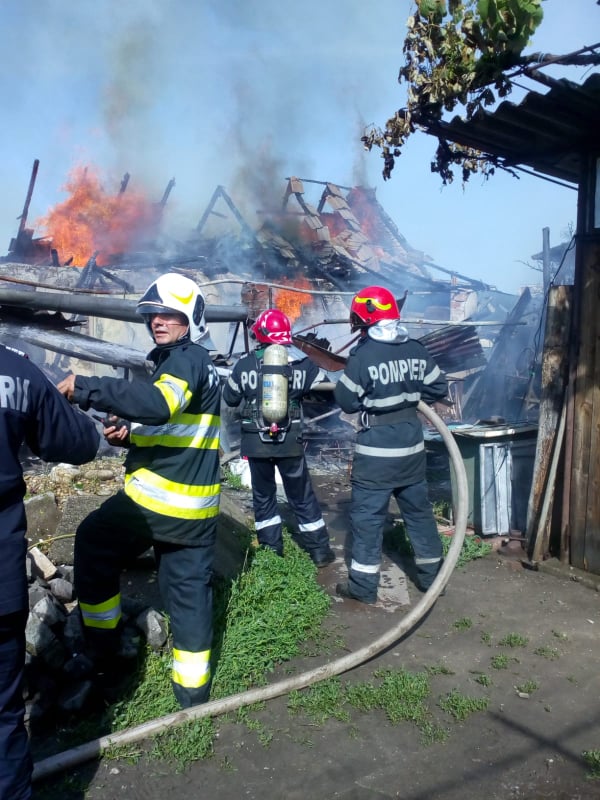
x,y
250,378
398,370
14,393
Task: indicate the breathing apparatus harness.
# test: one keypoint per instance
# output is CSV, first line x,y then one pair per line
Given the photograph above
x,y
273,413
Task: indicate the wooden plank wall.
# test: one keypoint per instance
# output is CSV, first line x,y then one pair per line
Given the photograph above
x,y
584,494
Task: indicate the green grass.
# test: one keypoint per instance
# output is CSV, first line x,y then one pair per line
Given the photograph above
x,y
513,640
592,760
461,706
473,547
232,480
500,661
400,694
463,624
439,669
323,701
550,653
529,687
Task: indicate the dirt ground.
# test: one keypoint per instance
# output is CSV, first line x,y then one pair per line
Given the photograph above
x,y
542,713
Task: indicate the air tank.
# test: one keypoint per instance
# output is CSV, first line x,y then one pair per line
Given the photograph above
x,y
274,401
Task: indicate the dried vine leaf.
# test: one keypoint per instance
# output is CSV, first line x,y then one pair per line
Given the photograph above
x,y
462,53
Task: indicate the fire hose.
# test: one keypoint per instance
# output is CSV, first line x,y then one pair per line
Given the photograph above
x,y
95,748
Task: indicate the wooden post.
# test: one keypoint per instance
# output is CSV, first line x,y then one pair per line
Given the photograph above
x,y
553,383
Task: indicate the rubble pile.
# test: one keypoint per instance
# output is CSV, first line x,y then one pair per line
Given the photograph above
x,y
60,679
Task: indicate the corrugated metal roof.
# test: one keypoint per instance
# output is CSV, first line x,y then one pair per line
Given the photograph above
x,y
548,133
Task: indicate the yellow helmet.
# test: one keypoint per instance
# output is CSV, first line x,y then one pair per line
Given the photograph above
x,y
174,292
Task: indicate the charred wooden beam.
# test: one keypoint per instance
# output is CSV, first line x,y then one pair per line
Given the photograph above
x,y
25,212
76,345
166,193
220,192
102,306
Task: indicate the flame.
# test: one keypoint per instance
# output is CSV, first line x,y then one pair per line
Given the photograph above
x,y
90,220
292,303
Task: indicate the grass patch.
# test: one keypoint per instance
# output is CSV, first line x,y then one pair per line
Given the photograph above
x,y
473,547
547,652
231,479
513,640
592,760
400,694
320,702
463,624
529,687
460,706
186,743
500,661
439,669
483,679
271,609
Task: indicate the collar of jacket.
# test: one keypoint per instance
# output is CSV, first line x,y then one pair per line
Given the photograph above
x,y
163,349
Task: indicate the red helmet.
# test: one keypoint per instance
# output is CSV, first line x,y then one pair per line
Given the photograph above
x,y
371,305
272,327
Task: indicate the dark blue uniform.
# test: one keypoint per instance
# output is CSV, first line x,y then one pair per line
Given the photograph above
x,y
384,380
286,454
34,412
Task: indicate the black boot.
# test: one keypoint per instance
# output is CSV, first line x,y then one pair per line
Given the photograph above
x,y
321,558
343,590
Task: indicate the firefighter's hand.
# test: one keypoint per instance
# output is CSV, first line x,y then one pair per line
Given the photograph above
x,y
117,435
67,386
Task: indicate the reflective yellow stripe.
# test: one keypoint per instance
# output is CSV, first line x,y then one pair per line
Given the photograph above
x,y
191,670
196,431
162,496
102,615
376,303
175,391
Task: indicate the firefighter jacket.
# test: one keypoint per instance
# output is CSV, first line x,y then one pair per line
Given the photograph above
x,y
172,469
33,411
244,385
384,380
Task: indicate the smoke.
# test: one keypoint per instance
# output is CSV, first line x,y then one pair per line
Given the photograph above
x,y
244,94
214,93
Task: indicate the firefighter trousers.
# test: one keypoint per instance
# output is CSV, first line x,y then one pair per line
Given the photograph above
x,y
368,512
109,539
15,757
312,533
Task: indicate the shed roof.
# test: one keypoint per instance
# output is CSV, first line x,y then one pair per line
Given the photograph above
x,y
549,133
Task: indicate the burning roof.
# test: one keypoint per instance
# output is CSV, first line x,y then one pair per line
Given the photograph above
x,y
346,239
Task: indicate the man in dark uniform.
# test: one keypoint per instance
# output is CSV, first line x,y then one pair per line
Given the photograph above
x,y
385,377
170,500
31,411
267,450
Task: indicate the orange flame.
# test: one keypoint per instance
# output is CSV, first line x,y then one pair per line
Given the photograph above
x,y
90,220
292,303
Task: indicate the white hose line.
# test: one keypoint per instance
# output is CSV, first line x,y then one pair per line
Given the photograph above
x,y
95,748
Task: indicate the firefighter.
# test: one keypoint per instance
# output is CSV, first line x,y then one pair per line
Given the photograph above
x,y
31,412
386,375
278,444
170,499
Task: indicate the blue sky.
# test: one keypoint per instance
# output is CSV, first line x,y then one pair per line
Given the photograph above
x,y
244,94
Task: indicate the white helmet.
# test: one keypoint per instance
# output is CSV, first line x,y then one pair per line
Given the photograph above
x,y
174,292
